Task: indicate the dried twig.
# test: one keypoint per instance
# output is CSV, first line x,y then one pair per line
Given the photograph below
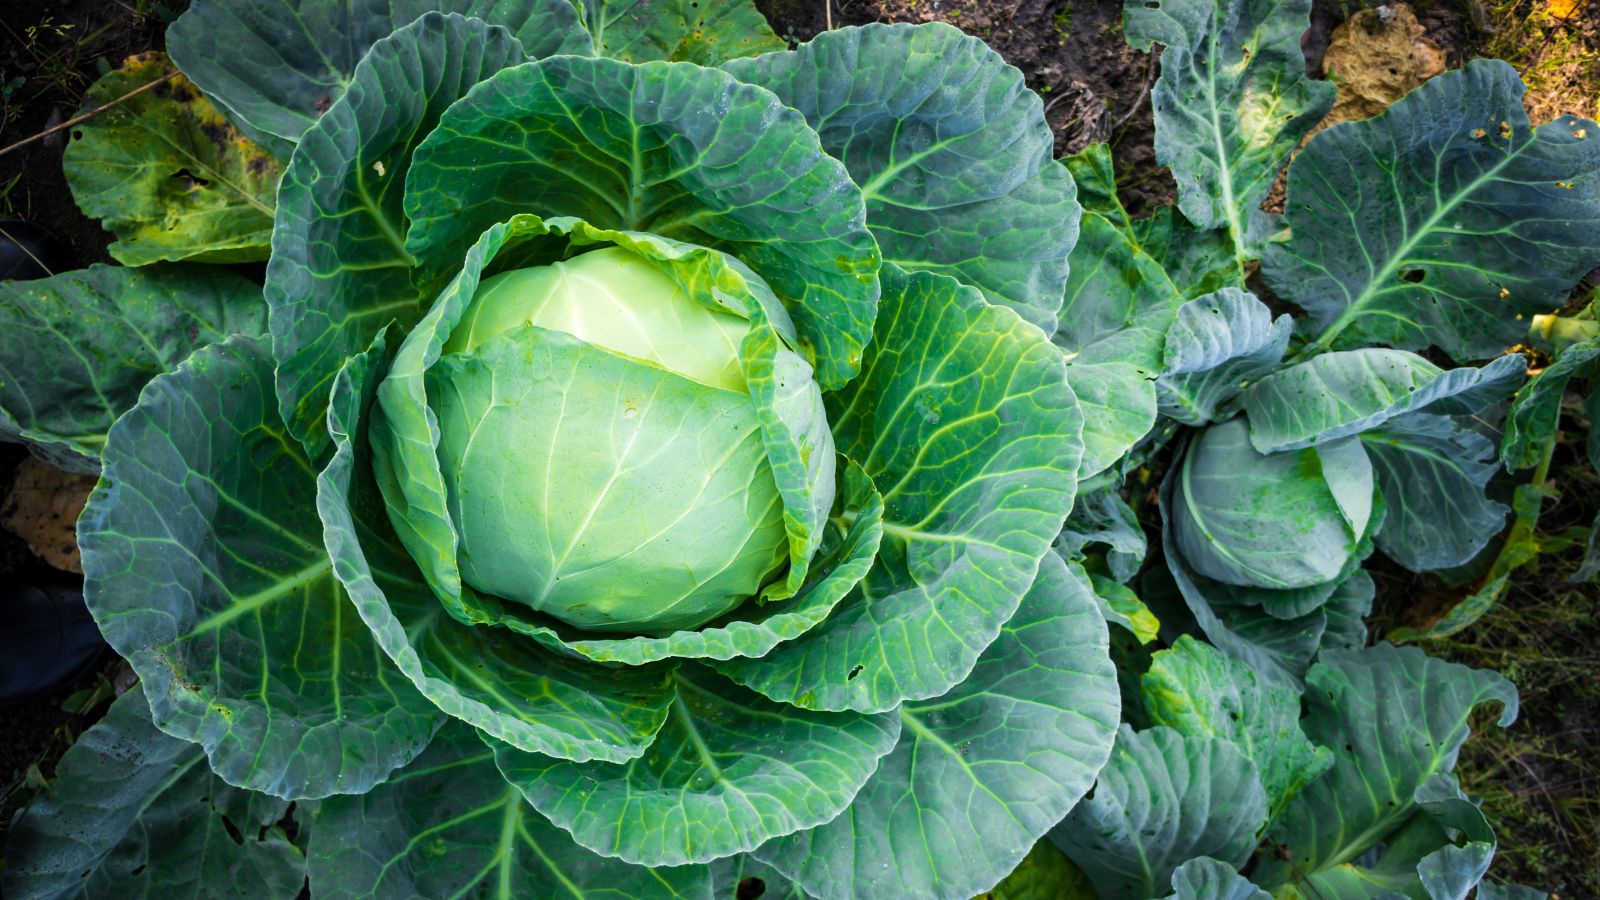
x,y
90,114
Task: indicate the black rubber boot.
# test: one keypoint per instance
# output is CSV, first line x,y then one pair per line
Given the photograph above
x,y
29,251
47,639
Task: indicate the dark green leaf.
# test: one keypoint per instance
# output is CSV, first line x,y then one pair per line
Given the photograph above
x,y
1335,395
951,150
1442,222
729,770
76,348
1217,344
136,814
276,65
962,418
1233,101
340,271
1164,798
450,826
1433,473
1393,718
1195,689
205,567
698,31
982,772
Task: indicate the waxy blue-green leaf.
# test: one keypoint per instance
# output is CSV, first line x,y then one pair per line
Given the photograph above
x,y
1204,878
982,772
167,174
679,30
339,270
1433,473
76,348
1164,798
1440,852
1350,604
1119,302
134,813
1442,222
276,65
204,567
631,148
1335,395
951,150
504,683
1118,401
1393,718
1101,517
1197,690
962,418
1284,520
1217,344
1233,101
450,826
1536,413
729,770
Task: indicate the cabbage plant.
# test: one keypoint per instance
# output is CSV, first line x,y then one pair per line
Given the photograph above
x,y
660,462
640,475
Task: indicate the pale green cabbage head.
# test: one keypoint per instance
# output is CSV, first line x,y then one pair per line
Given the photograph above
x,y
627,490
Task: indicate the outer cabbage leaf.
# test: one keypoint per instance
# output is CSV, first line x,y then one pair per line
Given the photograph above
x,y
1364,706
504,683
727,771
1433,474
982,772
951,150
1204,878
1442,222
962,418
1119,301
134,813
203,566
1283,520
76,348
450,826
167,174
1119,408
1536,413
1197,690
1233,101
339,270
276,65
1102,517
1217,344
1164,798
1335,395
680,30
631,148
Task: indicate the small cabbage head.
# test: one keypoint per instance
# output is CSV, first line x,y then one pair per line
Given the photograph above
x,y
603,456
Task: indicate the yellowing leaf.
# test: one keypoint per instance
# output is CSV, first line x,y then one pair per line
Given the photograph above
x,y
168,174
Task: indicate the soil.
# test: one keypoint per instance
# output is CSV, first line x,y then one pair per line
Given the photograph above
x,y
1539,781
